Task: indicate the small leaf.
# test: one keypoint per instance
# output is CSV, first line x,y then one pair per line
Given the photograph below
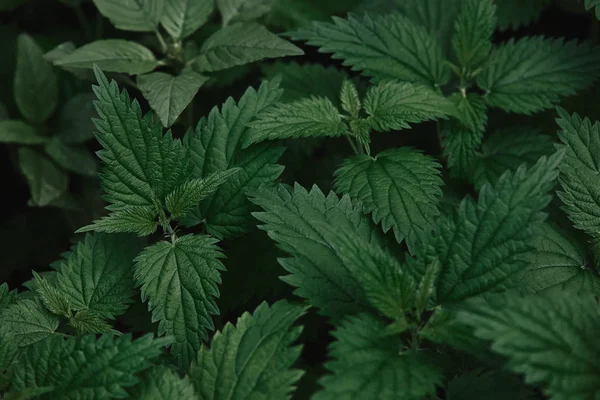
x,y
46,181
169,95
140,220
112,55
349,99
132,15
87,321
14,131
181,18
51,297
393,105
74,158
242,43
35,83
243,10
313,117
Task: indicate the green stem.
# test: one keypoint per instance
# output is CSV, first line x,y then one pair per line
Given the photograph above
x,y
354,147
161,40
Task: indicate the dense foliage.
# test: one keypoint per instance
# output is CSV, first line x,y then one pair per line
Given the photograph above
x,y
404,205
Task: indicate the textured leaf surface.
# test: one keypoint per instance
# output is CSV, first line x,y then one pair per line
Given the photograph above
x,y
8,353
179,280
15,131
181,18
162,383
534,73
84,367
111,55
28,321
559,264
383,47
46,181
311,117
243,10
393,105
140,164
368,365
242,43
475,25
140,220
74,158
252,359
35,85
132,15
507,149
564,360
318,271
216,146
98,273
484,247
169,95
579,171
400,187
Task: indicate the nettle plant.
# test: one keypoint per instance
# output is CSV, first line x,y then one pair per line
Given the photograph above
x,y
185,66
491,296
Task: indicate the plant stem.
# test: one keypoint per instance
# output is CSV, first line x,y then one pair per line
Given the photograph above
x,y
354,148
161,39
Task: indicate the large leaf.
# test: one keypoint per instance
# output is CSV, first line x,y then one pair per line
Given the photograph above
x,y
367,364
132,15
384,47
169,95
400,187
112,55
534,73
46,181
179,280
292,217
98,274
215,146
252,359
35,83
239,44
84,367
563,360
181,18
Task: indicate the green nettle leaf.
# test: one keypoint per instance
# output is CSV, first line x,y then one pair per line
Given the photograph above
x,y
140,220
349,98
87,321
97,274
534,73
559,265
215,146
393,105
19,132
243,10
141,166
472,40
563,360
471,111
132,15
367,364
35,83
169,95
181,18
6,297
75,125
46,181
252,359
489,385
8,353
311,117
407,52
179,280
185,197
162,383
579,171
506,150
74,158
112,55
84,367
516,13
306,80
400,187
51,297
387,286
436,16
292,217
485,246
242,43
28,321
